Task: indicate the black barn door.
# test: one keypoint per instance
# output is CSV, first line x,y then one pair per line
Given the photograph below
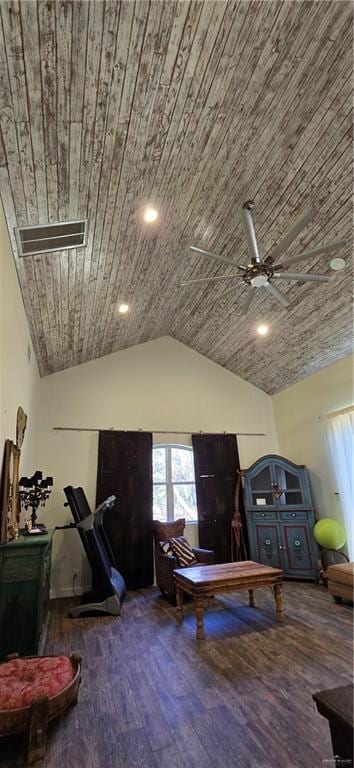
x,y
125,470
215,463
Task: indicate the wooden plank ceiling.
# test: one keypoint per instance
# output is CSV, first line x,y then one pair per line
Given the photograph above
x,y
194,107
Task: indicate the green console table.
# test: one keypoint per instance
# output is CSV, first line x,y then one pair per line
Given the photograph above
x,y
24,594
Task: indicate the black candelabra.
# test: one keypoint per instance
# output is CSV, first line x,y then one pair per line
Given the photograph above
x,y
34,492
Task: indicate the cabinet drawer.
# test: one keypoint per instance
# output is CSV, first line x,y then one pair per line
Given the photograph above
x,y
20,566
264,515
294,515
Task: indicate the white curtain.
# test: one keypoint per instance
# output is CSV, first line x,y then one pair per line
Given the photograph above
x,y
339,430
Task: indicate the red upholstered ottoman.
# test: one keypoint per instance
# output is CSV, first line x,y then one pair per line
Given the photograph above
x,y
34,690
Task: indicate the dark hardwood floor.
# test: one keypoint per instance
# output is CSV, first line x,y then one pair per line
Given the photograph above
x,y
151,697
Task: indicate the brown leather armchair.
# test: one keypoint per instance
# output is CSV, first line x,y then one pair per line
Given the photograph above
x,y
166,564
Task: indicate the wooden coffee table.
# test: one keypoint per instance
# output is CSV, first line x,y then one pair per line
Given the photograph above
x,y
205,581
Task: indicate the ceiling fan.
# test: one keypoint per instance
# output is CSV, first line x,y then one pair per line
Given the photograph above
x,y
260,273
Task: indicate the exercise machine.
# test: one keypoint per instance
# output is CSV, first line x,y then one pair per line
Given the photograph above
x,y
108,586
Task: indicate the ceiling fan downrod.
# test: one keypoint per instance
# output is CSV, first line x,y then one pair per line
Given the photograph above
x,y
257,274
250,232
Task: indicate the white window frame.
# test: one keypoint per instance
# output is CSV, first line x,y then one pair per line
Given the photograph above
x,y
169,483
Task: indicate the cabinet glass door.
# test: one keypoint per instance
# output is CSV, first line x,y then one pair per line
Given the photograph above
x,y
261,488
288,486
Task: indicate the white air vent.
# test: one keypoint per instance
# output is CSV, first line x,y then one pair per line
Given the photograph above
x,y
42,238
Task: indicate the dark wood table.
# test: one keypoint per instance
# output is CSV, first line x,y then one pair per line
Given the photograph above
x,y
202,582
336,705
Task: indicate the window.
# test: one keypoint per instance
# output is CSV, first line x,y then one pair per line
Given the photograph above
x,y
174,486
339,429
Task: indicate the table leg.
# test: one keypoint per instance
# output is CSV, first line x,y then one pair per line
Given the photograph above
x,y
199,615
252,598
279,599
179,601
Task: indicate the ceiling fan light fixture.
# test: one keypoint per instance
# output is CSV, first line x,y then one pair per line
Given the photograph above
x,y
262,329
259,281
337,263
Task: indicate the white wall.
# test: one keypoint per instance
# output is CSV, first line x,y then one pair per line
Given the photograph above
x,y
158,385
19,378
297,412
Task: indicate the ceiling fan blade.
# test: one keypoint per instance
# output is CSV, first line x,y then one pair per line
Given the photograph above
x,y
292,234
302,277
210,279
212,255
246,303
278,294
316,251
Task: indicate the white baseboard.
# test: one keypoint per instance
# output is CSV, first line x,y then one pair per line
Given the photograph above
x,y
68,592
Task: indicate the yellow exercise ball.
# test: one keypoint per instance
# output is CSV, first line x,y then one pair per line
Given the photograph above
x,y
329,534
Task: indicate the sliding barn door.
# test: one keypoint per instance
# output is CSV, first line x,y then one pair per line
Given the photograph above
x,y
125,470
215,463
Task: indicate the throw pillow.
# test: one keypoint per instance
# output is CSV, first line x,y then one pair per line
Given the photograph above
x,y
183,551
166,547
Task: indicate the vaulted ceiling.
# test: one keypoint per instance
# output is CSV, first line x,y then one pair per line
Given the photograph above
x,y
194,107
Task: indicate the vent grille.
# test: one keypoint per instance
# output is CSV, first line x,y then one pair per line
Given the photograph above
x,y
43,238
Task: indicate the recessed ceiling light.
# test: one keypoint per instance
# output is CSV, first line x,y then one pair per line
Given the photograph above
x,y
150,215
337,263
262,329
123,309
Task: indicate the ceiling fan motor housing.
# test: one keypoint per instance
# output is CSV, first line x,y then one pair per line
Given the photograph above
x,y
257,270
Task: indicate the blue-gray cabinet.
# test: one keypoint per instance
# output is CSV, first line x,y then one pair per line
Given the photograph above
x,y
281,516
